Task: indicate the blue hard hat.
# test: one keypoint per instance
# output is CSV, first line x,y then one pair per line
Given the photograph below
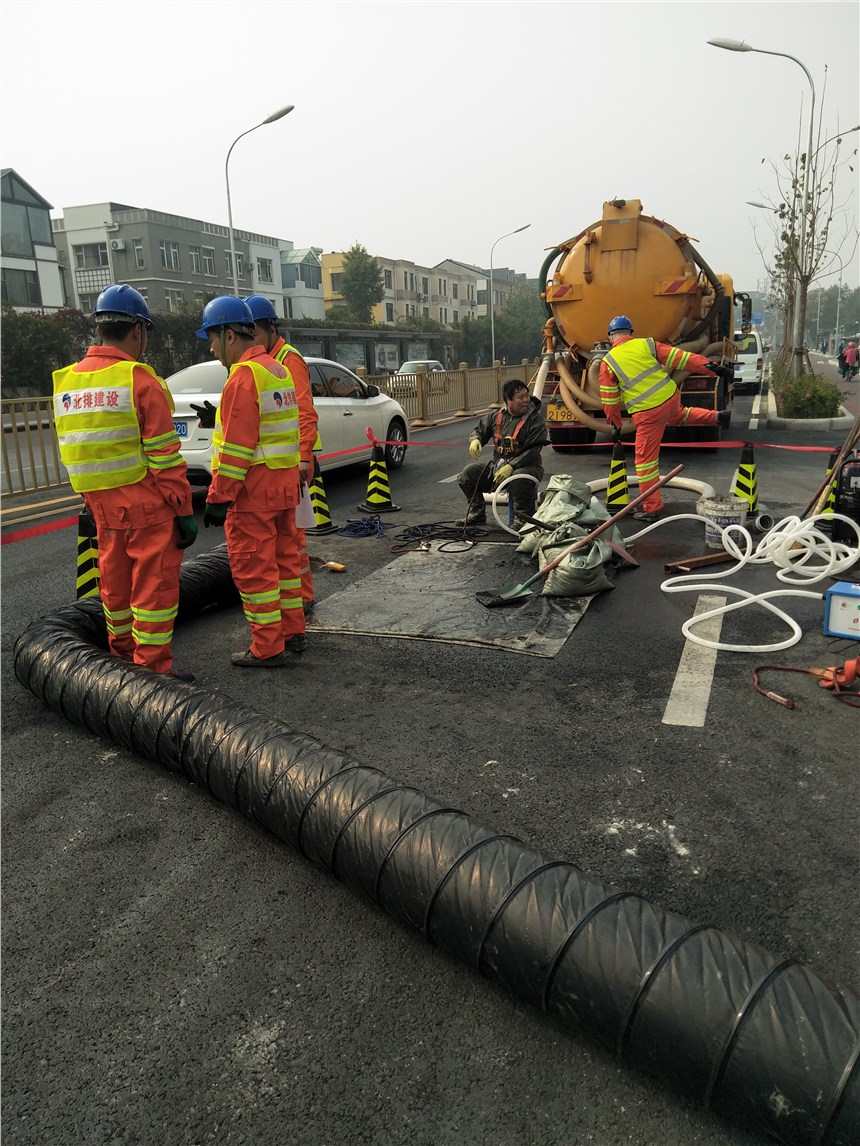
x,y
620,322
121,303
226,310
261,307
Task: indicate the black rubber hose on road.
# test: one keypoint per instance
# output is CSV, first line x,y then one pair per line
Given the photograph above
x,y
762,1041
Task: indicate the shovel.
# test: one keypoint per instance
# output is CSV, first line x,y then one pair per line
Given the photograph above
x,y
517,593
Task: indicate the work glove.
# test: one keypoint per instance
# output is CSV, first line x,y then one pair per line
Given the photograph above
x,y
215,513
206,414
187,532
613,416
722,370
501,473
475,448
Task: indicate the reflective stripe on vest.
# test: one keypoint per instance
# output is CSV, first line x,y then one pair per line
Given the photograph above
x,y
278,444
641,379
281,356
97,426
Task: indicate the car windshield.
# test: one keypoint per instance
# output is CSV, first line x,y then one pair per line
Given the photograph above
x,y
747,344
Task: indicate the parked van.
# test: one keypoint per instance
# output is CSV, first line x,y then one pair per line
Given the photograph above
x,y
750,363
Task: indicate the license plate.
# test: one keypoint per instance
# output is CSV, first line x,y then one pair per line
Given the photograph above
x,y
181,429
559,414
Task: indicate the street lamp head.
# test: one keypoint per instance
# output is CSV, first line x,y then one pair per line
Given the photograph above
x,y
731,45
764,206
525,228
279,114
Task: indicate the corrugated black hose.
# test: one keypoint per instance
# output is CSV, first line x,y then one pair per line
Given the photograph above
x,y
762,1041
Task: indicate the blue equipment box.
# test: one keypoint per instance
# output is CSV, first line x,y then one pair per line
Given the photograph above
x,y
842,610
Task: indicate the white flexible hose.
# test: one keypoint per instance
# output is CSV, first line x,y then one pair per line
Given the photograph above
x,y
803,554
492,497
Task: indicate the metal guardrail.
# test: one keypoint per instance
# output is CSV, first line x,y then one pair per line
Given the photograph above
x,y
31,454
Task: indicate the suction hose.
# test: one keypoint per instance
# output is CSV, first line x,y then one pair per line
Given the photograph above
x,y
760,1040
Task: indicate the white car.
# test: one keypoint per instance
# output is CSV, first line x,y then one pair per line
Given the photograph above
x,y
346,407
750,363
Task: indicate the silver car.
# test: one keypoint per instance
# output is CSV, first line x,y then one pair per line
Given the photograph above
x,y
346,407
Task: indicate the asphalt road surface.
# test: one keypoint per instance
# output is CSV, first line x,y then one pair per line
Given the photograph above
x,y
173,975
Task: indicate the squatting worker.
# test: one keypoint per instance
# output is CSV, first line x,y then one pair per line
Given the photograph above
x,y
255,484
517,431
632,374
117,440
267,335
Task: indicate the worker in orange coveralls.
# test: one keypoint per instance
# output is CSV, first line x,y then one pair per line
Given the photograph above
x,y
114,423
268,336
632,374
255,484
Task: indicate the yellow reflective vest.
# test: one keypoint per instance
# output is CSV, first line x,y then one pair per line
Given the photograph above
x,y
281,356
97,426
641,379
278,443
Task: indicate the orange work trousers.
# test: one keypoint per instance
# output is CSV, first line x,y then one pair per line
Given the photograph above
x,y
139,589
650,425
264,562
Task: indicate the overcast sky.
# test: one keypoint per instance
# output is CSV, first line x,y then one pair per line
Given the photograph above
x,y
427,130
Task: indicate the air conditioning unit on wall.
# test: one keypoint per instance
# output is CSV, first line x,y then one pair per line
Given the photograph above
x,y
117,244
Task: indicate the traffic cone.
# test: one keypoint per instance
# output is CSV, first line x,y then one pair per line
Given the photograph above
x,y
378,497
617,495
745,485
87,582
830,505
324,523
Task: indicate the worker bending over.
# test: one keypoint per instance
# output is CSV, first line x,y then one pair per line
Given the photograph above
x,y
255,484
517,431
114,422
267,335
632,374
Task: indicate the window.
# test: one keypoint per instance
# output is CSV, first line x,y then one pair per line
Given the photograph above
x,y
138,253
169,254
88,302
312,276
339,382
264,270
90,255
411,281
389,280
20,288
24,226
195,260
198,298
425,285
336,283
440,313
288,307
175,298
405,281
482,298
453,290
240,264
425,311
389,312
207,254
456,317
144,293
289,278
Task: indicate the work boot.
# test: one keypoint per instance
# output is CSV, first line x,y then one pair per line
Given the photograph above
x,y
642,514
186,677
248,660
296,644
724,418
473,517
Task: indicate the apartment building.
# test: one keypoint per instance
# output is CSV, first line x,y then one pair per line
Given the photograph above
x,y
175,261
31,274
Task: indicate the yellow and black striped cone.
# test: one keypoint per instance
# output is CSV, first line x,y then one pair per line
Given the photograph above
x,y
87,581
830,504
617,495
745,484
324,523
378,497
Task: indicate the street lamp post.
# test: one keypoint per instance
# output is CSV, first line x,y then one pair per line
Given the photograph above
x,y
279,114
490,292
797,326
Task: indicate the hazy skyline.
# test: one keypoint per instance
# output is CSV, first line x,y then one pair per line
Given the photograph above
x,y
427,130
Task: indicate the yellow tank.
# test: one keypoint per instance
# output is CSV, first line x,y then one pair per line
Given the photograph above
x,y
634,264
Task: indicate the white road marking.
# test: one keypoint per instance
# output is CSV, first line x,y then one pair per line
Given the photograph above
x,y
453,477
688,701
756,406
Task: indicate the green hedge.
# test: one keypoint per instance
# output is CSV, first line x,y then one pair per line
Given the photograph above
x,y
805,397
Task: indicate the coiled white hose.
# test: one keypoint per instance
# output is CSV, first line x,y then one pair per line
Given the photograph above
x,y
803,556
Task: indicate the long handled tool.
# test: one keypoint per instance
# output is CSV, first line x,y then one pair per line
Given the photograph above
x,y
514,594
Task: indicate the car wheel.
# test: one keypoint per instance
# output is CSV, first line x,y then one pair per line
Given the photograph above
x,y
395,450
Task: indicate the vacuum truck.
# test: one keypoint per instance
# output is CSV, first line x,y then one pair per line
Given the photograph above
x,y
637,265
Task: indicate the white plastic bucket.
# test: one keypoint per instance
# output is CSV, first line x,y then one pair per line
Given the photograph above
x,y
720,511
